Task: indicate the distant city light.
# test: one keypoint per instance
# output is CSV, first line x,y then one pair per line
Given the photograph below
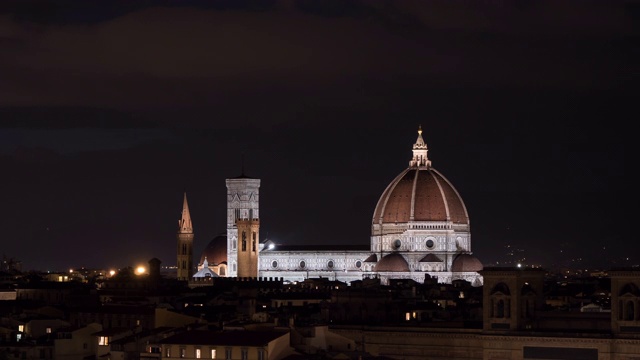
x,y
112,272
140,270
519,265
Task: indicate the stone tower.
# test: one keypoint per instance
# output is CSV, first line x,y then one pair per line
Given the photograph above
x,y
511,298
248,250
185,244
625,302
243,217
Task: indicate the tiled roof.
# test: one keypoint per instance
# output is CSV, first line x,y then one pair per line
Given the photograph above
x,y
420,195
224,338
338,247
112,331
392,262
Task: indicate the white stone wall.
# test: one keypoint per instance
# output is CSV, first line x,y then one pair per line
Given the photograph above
x,y
345,267
243,198
313,261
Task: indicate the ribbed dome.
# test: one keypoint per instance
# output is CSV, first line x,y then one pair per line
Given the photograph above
x,y
420,193
216,251
392,262
466,263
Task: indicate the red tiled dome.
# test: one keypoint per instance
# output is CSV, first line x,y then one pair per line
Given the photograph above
x,y
216,251
392,262
466,263
420,194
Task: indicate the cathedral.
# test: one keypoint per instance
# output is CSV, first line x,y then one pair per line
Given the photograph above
x,y
420,229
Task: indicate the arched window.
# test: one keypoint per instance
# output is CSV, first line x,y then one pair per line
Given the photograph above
x,y
500,309
244,241
629,311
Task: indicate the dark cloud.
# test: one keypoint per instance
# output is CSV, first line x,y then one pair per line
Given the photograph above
x,y
109,110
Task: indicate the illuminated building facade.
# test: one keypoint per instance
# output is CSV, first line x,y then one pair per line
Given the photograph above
x,y
420,228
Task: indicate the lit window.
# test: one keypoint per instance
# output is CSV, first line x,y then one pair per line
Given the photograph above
x,y
48,330
213,353
183,352
103,340
21,328
168,352
198,354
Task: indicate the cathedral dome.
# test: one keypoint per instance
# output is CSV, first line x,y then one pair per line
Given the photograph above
x,y
420,193
466,263
392,262
216,251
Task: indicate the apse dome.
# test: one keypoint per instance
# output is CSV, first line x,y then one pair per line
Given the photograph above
x,y
392,262
466,263
216,251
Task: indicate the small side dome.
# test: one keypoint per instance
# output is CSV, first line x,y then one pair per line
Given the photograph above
x,y
466,263
392,262
216,251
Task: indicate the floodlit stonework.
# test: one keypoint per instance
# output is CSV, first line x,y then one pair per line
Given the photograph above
x,y
420,228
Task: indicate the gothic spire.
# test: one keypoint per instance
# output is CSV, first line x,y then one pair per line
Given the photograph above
x,y
184,223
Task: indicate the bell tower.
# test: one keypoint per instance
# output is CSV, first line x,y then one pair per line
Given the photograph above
x,y
248,247
185,244
512,298
243,224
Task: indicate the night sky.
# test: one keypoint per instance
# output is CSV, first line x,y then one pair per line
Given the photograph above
x,y
109,111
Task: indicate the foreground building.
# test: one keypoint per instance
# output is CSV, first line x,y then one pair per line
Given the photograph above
x,y
516,325
420,228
